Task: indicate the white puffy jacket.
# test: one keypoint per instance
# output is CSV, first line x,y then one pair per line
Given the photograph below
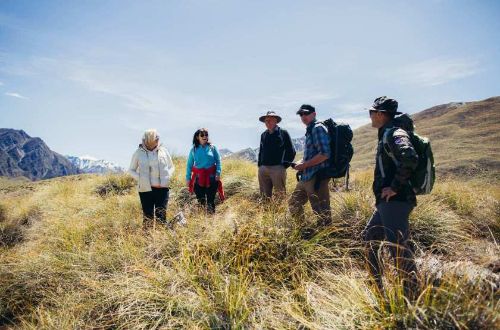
x,y
149,167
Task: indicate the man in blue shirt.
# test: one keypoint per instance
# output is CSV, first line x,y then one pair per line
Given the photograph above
x,y
316,155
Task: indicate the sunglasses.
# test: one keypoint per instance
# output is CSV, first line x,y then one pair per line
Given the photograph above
x,y
202,134
304,114
373,111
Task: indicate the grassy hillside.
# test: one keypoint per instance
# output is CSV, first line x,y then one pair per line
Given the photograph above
x,y
464,139
73,255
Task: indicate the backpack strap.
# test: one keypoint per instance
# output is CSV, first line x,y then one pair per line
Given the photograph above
x,y
280,133
387,149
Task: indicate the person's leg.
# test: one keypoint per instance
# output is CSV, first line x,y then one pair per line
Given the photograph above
x,y
161,202
147,203
211,192
201,195
395,219
320,201
265,182
297,201
372,235
278,179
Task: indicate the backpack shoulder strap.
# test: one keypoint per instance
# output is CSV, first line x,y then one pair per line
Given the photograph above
x,y
385,143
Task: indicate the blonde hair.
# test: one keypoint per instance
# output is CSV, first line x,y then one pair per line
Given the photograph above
x,y
150,137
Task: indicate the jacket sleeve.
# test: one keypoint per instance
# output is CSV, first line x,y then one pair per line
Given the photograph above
x,y
189,164
259,158
406,156
289,149
218,164
134,165
170,164
321,140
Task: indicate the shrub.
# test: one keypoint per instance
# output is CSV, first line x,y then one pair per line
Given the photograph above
x,y
115,185
13,226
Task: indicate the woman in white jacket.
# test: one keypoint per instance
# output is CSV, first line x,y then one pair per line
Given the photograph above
x,y
152,167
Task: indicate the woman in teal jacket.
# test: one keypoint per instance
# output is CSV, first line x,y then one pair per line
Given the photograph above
x,y
203,169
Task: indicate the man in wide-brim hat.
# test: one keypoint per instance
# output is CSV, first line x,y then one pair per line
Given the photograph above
x,y
270,115
276,153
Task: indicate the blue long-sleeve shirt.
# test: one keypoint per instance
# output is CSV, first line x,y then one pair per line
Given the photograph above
x,y
317,142
203,157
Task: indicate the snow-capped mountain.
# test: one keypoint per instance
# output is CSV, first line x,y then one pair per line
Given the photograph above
x,y
88,164
224,152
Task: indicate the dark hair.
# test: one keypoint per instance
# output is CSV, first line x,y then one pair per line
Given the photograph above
x,y
196,142
390,115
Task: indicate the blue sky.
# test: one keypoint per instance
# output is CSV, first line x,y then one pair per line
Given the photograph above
x,y
89,77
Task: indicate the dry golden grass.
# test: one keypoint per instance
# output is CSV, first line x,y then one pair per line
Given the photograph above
x,y
74,257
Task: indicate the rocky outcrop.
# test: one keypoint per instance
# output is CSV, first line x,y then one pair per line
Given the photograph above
x,y
22,155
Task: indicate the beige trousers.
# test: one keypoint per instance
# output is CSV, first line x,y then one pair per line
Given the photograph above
x,y
272,177
320,200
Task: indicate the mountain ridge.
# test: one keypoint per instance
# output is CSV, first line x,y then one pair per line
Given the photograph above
x,y
462,136
23,155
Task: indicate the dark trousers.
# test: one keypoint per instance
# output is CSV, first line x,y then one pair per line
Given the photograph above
x,y
390,222
206,195
154,204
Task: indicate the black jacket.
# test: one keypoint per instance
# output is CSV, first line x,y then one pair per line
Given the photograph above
x,y
395,173
276,148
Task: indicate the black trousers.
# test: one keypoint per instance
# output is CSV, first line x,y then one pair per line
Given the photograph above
x,y
206,195
154,204
390,222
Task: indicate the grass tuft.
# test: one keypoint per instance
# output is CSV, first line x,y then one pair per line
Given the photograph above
x,y
70,258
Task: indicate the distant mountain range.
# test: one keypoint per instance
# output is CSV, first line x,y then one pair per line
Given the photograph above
x,y
252,154
464,137
88,164
23,155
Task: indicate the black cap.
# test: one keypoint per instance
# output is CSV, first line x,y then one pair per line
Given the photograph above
x,y
385,104
306,108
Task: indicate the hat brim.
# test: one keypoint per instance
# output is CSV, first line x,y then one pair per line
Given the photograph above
x,y
263,118
382,110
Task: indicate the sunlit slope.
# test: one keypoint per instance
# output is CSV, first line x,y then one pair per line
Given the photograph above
x,y
465,138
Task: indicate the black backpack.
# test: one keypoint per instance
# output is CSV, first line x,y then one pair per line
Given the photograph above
x,y
422,179
341,150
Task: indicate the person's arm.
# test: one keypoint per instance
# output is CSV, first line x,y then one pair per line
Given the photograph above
x,y
322,144
321,141
134,165
259,158
170,164
290,153
218,164
189,164
406,156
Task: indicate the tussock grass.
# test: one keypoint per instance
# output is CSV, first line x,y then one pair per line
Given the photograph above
x,y
114,184
84,261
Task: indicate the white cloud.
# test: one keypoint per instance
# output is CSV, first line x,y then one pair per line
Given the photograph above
x,y
16,95
437,71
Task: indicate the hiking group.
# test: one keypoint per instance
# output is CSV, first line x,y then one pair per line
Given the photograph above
x,y
404,168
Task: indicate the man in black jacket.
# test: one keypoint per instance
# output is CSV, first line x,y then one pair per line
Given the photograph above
x,y
276,153
395,162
